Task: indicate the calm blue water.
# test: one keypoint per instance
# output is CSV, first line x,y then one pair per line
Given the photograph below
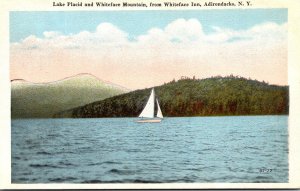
x,y
189,149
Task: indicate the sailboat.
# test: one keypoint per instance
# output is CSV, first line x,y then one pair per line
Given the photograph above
x,y
147,114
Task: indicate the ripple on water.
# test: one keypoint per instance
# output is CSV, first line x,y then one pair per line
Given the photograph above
x,y
43,166
103,163
63,179
43,153
123,171
66,164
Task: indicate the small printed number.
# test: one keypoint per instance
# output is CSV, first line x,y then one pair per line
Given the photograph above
x,y
265,170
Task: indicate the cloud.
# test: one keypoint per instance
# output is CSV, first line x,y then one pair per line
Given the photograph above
x,y
180,48
264,32
180,31
184,30
51,34
106,34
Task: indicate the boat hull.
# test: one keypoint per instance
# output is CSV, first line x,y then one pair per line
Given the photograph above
x,y
149,121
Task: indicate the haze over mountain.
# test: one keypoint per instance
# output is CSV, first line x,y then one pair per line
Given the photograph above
x,y
195,97
43,100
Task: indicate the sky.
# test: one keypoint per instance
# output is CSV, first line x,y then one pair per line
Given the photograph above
x,y
139,49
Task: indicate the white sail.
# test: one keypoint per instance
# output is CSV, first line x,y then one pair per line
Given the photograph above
x,y
159,113
148,110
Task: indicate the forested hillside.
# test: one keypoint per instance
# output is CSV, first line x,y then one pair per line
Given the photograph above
x,y
195,97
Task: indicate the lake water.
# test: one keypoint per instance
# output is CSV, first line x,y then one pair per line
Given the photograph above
x,y
188,149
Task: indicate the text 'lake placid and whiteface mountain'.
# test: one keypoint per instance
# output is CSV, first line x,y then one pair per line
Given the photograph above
x,y
153,4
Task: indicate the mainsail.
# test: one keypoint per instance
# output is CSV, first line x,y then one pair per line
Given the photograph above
x,y
148,111
159,113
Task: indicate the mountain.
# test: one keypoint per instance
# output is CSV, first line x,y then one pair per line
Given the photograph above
x,y
43,100
195,97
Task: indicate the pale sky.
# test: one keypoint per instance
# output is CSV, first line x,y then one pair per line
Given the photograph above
x,y
138,49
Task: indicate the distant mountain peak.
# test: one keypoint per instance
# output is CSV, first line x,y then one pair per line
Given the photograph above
x,y
87,75
18,80
84,74
87,78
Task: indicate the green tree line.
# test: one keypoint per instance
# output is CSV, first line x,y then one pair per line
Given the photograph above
x,y
229,95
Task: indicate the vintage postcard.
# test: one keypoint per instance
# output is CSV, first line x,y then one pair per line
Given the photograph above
x,y
149,94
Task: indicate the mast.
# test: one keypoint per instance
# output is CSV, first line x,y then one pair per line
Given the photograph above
x,y
148,110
